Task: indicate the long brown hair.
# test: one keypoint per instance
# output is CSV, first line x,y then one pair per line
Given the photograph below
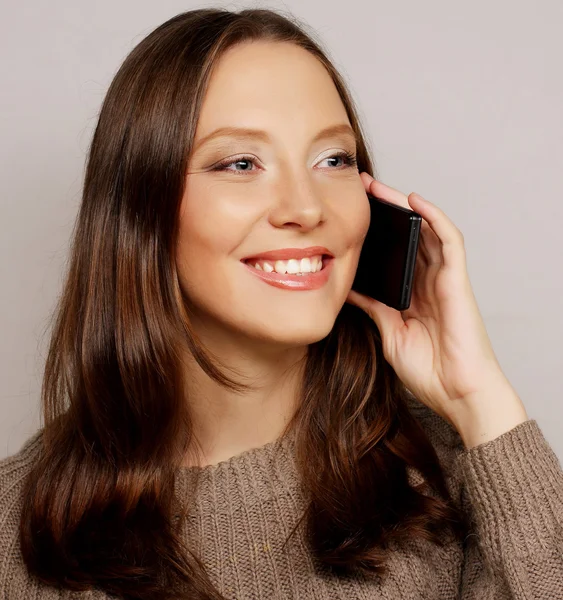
x,y
98,502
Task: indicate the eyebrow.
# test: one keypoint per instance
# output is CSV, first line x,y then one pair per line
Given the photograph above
x,y
247,133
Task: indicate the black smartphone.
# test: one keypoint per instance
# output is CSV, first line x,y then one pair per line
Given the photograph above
x,y
388,256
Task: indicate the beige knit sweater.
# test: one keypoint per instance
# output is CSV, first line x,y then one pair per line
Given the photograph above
x,y
246,506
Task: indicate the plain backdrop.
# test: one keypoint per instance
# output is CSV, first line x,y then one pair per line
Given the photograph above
x,y
462,102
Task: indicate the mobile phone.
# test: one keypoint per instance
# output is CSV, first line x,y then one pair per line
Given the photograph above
x,y
388,256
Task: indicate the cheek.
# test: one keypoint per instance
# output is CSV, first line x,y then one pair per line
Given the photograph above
x,y
204,239
355,219
354,227
216,220
212,227
202,262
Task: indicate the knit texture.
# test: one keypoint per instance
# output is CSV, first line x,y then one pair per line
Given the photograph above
x,y
246,506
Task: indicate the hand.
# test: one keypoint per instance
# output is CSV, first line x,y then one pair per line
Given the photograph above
x,y
439,346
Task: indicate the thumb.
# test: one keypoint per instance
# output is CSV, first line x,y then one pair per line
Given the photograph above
x,y
387,319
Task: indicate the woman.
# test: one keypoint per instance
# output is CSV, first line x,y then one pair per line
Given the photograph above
x,y
215,429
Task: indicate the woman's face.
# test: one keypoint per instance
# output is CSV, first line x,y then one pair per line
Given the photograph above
x,y
286,188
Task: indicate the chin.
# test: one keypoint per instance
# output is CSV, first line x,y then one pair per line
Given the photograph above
x,y
298,333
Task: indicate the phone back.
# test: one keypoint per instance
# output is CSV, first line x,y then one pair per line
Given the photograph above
x,y
387,260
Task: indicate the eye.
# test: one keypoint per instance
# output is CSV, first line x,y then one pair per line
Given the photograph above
x,y
244,160
348,159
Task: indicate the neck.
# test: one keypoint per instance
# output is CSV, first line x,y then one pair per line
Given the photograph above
x,y
226,423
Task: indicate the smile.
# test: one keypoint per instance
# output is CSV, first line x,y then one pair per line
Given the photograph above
x,y
305,274
292,266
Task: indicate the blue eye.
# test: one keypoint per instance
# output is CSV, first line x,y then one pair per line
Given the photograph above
x,y
348,158
243,159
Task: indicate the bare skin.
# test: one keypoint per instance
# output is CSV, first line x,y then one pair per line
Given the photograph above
x,y
286,192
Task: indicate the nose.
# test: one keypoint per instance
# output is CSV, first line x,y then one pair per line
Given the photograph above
x,y
298,206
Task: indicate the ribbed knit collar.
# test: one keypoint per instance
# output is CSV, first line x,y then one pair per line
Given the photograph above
x,y
253,476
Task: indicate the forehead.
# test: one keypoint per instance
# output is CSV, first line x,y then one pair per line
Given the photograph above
x,y
267,84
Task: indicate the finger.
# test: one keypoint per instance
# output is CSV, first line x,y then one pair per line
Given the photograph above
x,y
366,179
430,246
387,319
450,237
380,190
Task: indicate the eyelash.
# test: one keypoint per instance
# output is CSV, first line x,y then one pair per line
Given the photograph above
x,y
349,158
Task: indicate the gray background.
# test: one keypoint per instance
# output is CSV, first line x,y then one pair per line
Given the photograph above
x,y
462,102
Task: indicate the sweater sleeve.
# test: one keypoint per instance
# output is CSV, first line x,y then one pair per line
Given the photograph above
x,y
512,492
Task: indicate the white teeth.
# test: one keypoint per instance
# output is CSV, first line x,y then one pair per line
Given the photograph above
x,y
306,266
292,266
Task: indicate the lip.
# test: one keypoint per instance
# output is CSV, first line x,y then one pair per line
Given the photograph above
x,y
288,253
311,281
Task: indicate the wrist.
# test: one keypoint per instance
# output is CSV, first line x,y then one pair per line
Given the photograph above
x,y
486,415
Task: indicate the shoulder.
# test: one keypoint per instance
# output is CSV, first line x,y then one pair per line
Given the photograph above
x,y
15,581
13,472
14,468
